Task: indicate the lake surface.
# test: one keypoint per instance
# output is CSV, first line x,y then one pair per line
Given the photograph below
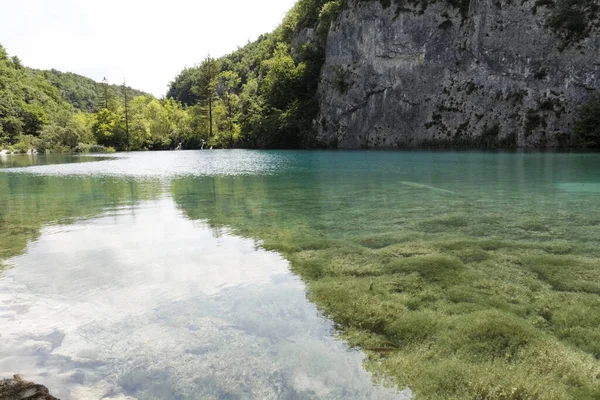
x,y
117,293
148,275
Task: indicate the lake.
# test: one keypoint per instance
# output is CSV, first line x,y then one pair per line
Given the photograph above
x,y
290,274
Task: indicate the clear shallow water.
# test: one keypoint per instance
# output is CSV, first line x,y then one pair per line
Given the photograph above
x,y
145,303
28,160
118,294
161,164
131,276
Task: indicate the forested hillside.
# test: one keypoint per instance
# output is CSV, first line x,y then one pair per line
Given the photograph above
x,y
264,94
79,91
31,108
291,88
50,111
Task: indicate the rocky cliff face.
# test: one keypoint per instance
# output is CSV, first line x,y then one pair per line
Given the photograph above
x,y
19,389
476,73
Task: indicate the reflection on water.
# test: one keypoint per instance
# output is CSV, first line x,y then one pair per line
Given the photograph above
x,y
142,302
169,164
28,160
123,285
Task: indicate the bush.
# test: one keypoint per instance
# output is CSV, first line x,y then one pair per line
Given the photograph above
x,y
93,148
21,147
587,127
572,19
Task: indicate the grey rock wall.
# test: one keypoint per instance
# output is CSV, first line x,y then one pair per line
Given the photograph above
x,y
496,76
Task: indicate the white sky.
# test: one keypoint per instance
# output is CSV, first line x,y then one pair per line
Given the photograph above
x,y
145,41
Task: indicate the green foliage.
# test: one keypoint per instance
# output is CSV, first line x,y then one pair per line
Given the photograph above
x,y
281,76
572,19
50,111
447,296
83,93
26,101
587,127
109,129
341,79
22,145
157,125
93,148
3,53
65,132
228,108
181,89
205,83
276,97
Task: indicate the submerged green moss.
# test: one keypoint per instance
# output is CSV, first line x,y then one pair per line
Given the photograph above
x,y
478,280
465,295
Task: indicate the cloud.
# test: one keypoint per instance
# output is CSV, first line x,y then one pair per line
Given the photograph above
x,y
146,42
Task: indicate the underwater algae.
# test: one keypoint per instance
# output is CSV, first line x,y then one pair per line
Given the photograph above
x,y
484,289
470,296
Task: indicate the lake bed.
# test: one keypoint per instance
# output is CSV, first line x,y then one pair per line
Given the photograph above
x,y
241,274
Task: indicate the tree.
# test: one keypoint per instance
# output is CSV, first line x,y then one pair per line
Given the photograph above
x,y
65,132
587,127
206,86
180,123
126,108
140,138
17,62
282,77
11,123
106,98
3,53
158,125
229,83
182,88
109,129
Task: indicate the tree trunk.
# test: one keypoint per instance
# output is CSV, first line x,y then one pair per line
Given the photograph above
x,y
210,115
126,116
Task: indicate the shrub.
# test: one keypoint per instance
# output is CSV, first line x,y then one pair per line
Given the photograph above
x,y
587,127
572,19
342,81
21,147
93,148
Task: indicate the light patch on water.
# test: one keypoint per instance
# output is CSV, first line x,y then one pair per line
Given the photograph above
x,y
429,187
143,303
169,164
580,187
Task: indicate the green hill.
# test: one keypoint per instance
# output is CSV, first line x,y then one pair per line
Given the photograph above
x,y
277,81
27,101
52,111
79,91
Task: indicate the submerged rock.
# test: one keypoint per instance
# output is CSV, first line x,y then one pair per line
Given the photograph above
x,y
20,389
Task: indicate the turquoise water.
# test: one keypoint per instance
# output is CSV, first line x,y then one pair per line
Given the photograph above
x,y
167,275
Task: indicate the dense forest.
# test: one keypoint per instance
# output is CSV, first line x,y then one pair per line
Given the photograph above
x,y
264,95
81,92
50,111
261,96
274,81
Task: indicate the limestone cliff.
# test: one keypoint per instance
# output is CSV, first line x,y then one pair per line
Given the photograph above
x,y
19,389
457,73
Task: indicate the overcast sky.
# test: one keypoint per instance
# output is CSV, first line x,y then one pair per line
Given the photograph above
x,y
145,41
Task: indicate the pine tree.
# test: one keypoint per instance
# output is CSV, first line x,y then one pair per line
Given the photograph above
x,y
105,97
